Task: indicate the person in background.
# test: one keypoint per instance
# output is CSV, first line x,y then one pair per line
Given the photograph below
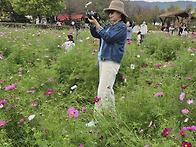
x,y
163,28
171,29
77,25
139,38
112,41
180,29
184,30
133,25
144,30
68,45
129,30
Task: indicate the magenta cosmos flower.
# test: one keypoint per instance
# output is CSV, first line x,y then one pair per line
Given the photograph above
x,y
49,92
157,65
185,111
185,144
2,123
184,87
182,132
72,112
96,99
165,132
182,95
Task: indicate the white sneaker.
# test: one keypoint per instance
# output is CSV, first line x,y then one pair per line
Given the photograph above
x,y
90,124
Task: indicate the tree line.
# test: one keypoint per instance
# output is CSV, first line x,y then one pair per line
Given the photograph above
x,y
51,8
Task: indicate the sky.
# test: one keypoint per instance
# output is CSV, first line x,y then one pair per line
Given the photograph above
x,y
163,0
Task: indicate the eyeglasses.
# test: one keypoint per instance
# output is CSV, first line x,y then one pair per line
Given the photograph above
x,y
110,12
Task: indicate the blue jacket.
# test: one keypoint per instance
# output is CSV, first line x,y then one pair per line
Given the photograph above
x,y
114,40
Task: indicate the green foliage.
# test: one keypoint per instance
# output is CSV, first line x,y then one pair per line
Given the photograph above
x,y
35,8
34,59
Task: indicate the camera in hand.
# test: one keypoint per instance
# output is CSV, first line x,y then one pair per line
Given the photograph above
x,y
89,15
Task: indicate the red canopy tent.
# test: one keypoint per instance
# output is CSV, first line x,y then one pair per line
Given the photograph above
x,y
64,16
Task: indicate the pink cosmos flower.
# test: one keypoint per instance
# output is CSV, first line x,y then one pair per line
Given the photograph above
x,y
83,108
96,99
150,124
34,104
193,128
142,51
185,144
1,56
72,112
191,101
81,146
185,111
1,106
157,94
30,91
182,95
165,132
2,123
10,87
182,132
128,42
188,78
157,65
124,77
49,92
189,49
4,101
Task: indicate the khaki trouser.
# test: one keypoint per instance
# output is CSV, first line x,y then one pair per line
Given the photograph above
x,y
107,76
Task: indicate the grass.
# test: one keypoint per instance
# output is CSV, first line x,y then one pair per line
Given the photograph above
x,y
34,59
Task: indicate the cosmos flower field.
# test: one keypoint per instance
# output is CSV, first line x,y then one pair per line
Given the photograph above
x,y
47,94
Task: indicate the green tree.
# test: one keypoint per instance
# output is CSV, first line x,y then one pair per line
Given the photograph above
x,y
177,8
155,13
6,8
46,8
189,7
171,8
194,14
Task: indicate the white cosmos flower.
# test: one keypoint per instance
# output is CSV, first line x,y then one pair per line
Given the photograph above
x,y
138,56
31,117
132,66
1,106
73,87
186,120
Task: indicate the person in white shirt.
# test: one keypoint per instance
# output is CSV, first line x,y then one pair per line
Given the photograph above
x,y
144,30
171,29
68,45
184,30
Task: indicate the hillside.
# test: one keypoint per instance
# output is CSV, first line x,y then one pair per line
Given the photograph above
x,y
182,4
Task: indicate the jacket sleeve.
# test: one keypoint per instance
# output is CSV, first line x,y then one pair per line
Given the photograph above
x,y
115,34
94,32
